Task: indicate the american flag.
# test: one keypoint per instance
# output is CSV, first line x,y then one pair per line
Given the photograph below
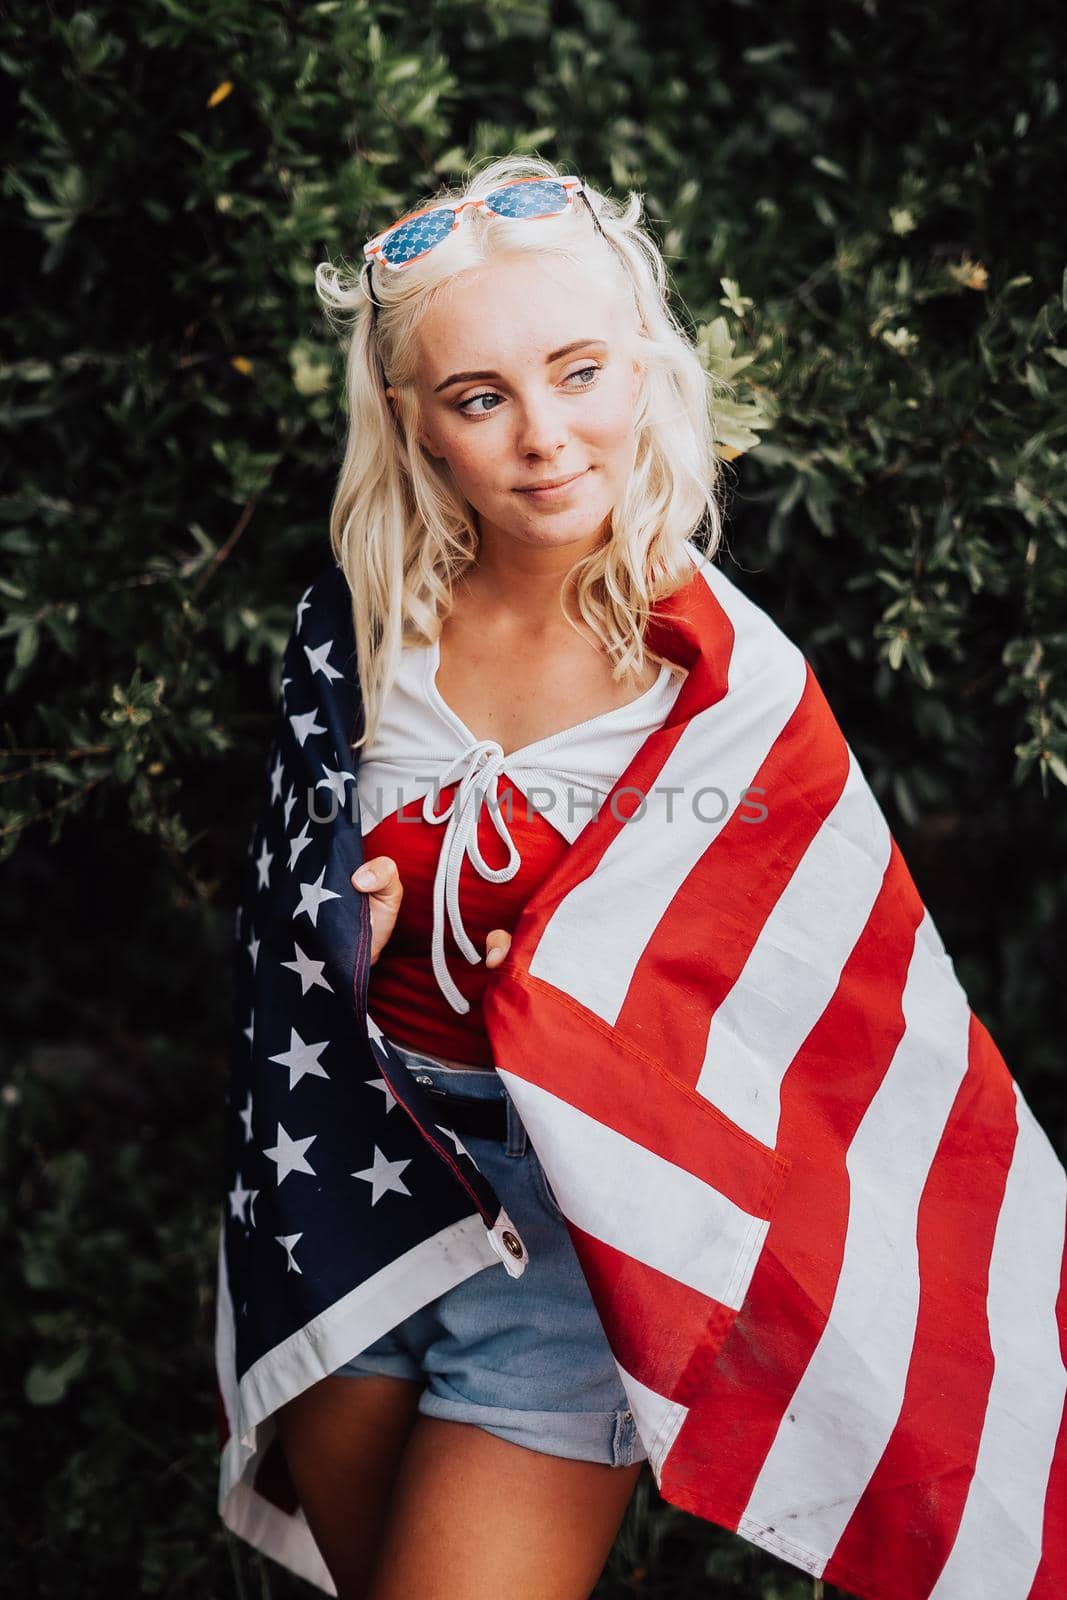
x,y
822,1229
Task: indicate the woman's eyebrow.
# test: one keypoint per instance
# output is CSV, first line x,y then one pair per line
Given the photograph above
x,y
555,355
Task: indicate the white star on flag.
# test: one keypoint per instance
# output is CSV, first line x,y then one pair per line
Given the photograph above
x,y
335,781
460,1146
288,803
297,845
276,773
383,1176
301,1059
246,1117
303,724
253,949
238,1196
289,1241
302,606
249,1032
288,1154
319,662
263,861
285,684
310,971
311,897
390,1097
252,1197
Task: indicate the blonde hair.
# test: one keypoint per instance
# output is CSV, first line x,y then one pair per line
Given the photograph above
x,y
399,527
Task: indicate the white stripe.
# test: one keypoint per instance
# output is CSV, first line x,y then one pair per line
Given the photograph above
x,y
998,1545
285,1539
657,1419
722,749
402,1286
844,1409
235,1454
633,1200
796,963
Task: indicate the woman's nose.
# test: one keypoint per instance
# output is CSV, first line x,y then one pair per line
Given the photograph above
x,y
542,429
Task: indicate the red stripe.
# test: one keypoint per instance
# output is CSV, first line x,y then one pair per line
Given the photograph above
x,y
735,885
540,1034
908,1517
739,1398
690,628
1050,1581
653,1322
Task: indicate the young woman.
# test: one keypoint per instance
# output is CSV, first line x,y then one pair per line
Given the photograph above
x,y
772,1211
529,446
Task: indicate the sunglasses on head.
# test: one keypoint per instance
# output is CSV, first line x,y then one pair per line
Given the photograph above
x,y
520,200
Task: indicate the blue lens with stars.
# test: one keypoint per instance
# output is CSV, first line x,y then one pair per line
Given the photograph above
x,y
413,238
543,197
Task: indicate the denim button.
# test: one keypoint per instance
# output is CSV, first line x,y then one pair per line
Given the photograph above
x,y
420,1077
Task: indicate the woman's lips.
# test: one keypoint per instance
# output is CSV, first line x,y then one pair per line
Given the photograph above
x,y
558,491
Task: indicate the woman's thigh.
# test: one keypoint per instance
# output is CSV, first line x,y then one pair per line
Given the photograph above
x,y
471,1515
343,1443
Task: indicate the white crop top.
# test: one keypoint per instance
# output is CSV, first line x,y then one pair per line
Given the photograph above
x,y
422,746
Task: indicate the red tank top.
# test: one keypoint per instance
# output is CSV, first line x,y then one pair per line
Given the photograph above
x,y
404,998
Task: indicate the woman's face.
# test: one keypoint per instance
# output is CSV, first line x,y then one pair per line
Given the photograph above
x,y
527,375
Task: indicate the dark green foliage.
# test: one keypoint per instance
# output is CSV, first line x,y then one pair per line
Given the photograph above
x,y
862,194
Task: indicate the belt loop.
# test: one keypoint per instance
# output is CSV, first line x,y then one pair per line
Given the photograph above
x,y
516,1139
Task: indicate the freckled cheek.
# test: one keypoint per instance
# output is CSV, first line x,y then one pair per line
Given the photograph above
x,y
470,465
610,426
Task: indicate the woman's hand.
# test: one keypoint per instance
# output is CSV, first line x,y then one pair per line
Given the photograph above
x,y
497,945
380,880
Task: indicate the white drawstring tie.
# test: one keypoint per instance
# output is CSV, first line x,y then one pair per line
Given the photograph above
x,y
477,769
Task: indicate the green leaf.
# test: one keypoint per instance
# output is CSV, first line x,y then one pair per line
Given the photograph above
x,y
46,1385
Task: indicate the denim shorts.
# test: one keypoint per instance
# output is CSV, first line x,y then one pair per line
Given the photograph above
x,y
525,1358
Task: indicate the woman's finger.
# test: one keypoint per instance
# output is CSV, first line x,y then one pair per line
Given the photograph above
x,y
379,874
497,945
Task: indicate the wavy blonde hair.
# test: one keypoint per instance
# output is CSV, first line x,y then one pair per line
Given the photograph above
x,y
399,527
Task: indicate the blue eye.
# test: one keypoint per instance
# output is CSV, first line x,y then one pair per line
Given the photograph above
x,y
486,394
592,372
